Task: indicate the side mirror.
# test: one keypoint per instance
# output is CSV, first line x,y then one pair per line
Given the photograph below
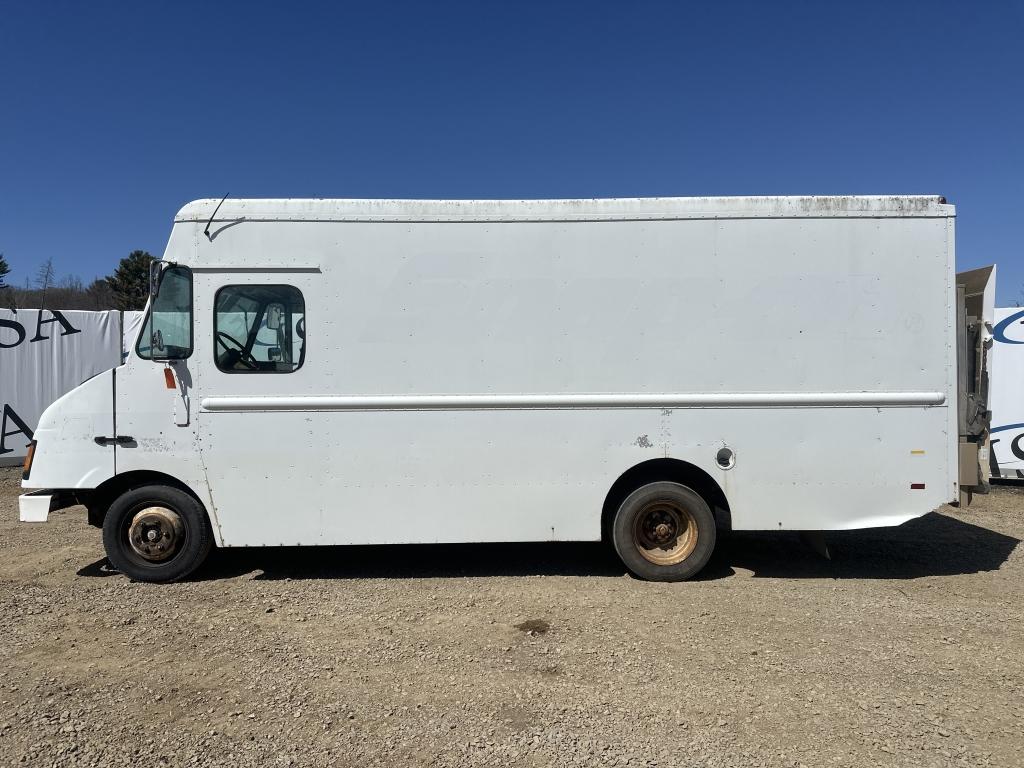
x,y
275,316
170,312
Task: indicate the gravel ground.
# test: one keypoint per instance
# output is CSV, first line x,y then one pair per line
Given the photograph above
x,y
904,649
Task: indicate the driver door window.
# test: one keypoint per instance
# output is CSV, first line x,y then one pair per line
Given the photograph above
x,y
169,320
259,329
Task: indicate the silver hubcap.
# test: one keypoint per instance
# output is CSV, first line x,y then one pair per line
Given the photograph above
x,y
156,533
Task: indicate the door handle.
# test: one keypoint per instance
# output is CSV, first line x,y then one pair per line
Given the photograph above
x,y
117,440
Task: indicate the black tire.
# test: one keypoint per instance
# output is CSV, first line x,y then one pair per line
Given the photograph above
x,y
664,531
185,548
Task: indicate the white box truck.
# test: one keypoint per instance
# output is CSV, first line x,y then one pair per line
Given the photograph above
x,y
644,371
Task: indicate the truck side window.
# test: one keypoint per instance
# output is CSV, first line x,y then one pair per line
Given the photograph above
x,y
259,329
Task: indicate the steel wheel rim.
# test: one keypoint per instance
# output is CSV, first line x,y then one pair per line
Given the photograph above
x,y
156,533
664,532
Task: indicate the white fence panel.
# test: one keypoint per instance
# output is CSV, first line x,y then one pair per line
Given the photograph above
x,y
44,354
1007,392
131,323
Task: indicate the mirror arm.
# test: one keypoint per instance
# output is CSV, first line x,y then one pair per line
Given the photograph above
x,y
156,269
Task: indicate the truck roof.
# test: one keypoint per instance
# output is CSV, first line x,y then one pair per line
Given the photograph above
x,y
590,209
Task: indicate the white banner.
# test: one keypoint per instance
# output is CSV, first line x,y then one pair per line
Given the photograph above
x,y
44,354
1007,391
131,323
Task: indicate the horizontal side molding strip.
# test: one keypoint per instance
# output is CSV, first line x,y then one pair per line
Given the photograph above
x,y
487,402
234,268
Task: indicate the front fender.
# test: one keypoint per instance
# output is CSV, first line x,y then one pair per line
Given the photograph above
x,y
66,453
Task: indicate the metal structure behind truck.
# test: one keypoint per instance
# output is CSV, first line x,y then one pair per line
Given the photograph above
x,y
975,317
1006,458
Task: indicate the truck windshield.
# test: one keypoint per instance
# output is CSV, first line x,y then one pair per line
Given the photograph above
x,y
167,333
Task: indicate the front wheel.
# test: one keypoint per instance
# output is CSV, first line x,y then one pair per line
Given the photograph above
x,y
156,533
664,531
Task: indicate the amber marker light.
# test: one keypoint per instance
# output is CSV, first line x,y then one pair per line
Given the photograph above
x,y
26,467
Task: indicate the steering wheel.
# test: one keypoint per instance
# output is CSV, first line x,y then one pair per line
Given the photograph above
x,y
245,358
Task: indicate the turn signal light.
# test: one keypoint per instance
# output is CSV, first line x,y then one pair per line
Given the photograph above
x,y
26,468
169,379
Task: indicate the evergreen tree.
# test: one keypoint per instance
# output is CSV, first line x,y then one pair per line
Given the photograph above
x,y
99,294
130,281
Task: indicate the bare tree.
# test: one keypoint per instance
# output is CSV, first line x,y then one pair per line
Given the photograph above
x,y
71,283
45,276
127,288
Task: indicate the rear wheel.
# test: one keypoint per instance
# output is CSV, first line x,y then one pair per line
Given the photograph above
x,y
664,531
156,533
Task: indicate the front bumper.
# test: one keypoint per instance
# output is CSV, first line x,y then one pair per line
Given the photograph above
x,y
35,507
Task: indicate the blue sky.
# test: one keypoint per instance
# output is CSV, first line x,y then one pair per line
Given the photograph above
x,y
114,115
